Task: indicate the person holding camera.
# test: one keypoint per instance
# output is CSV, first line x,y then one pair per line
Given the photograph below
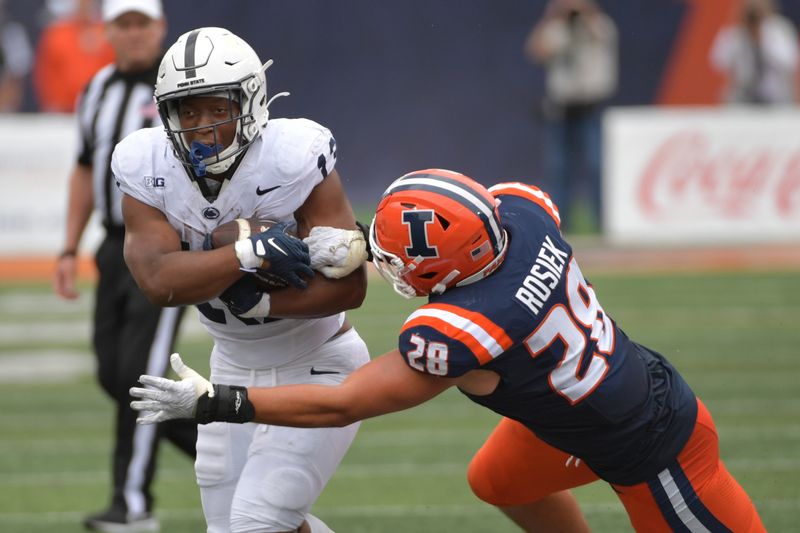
x,y
758,55
577,44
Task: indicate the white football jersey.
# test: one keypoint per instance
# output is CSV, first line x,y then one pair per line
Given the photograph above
x,y
273,180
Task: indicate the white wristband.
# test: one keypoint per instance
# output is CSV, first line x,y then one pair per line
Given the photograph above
x,y
248,259
260,310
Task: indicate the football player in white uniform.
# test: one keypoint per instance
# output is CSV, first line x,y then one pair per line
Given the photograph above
x,y
221,159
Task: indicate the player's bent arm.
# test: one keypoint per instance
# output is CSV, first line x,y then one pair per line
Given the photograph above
x,y
327,205
322,297
384,385
326,223
166,274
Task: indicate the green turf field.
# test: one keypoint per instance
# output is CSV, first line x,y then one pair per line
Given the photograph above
x,y
734,336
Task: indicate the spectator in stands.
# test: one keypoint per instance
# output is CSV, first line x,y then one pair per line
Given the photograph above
x,y
577,43
16,57
70,51
759,56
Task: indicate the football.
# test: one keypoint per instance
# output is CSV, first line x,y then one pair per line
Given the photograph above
x,y
236,230
242,228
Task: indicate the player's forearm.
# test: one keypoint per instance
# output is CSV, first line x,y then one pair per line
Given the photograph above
x,y
384,385
302,406
184,277
322,297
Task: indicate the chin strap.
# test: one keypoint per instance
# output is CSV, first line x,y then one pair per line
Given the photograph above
x,y
440,287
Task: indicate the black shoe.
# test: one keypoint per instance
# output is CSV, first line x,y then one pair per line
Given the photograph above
x,y
116,521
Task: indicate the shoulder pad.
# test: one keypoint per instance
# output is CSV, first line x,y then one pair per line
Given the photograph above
x,y
528,192
302,145
438,337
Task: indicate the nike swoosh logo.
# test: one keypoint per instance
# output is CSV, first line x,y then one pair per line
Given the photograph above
x,y
315,372
262,192
271,242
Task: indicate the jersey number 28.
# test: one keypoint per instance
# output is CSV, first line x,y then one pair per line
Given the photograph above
x,y
575,325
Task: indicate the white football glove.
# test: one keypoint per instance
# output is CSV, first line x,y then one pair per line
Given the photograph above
x,y
336,252
166,399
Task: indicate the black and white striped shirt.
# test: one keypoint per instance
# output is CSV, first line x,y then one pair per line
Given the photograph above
x,y
112,105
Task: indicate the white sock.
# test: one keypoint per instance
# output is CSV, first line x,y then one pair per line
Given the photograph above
x,y
316,525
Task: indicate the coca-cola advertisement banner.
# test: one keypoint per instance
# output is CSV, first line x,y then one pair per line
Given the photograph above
x,y
701,175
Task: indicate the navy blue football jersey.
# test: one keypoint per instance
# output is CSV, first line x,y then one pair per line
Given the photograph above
x,y
566,370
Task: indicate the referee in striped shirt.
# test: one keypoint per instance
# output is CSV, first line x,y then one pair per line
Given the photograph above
x,y
131,336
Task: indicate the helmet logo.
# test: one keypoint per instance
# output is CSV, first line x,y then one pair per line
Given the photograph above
x,y
417,222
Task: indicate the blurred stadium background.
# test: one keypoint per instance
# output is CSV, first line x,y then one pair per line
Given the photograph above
x,y
700,260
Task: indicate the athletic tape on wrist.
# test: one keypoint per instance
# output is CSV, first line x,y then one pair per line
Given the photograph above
x,y
247,257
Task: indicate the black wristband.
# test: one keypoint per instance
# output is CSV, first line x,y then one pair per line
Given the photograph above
x,y
365,230
229,404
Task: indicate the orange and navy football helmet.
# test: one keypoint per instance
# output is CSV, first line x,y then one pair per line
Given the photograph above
x,y
435,229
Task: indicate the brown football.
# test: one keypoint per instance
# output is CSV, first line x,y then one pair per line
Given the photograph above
x,y
242,228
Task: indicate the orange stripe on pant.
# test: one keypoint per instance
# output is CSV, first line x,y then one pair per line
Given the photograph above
x,y
514,467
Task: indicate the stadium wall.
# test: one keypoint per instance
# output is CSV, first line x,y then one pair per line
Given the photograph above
x,y
414,84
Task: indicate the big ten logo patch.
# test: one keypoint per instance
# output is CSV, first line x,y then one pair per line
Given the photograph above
x,y
152,182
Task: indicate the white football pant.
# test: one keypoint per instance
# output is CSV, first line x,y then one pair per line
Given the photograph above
x,y
256,477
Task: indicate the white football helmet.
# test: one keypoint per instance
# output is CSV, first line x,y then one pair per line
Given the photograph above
x,y
212,62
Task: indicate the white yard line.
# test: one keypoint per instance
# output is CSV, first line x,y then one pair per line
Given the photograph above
x,y
432,510
39,331
69,329
16,303
56,364
44,366
347,471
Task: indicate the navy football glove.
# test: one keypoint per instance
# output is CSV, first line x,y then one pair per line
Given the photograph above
x,y
245,299
287,256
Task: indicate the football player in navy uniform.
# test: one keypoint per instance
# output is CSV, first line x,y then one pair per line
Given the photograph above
x,y
222,159
512,322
